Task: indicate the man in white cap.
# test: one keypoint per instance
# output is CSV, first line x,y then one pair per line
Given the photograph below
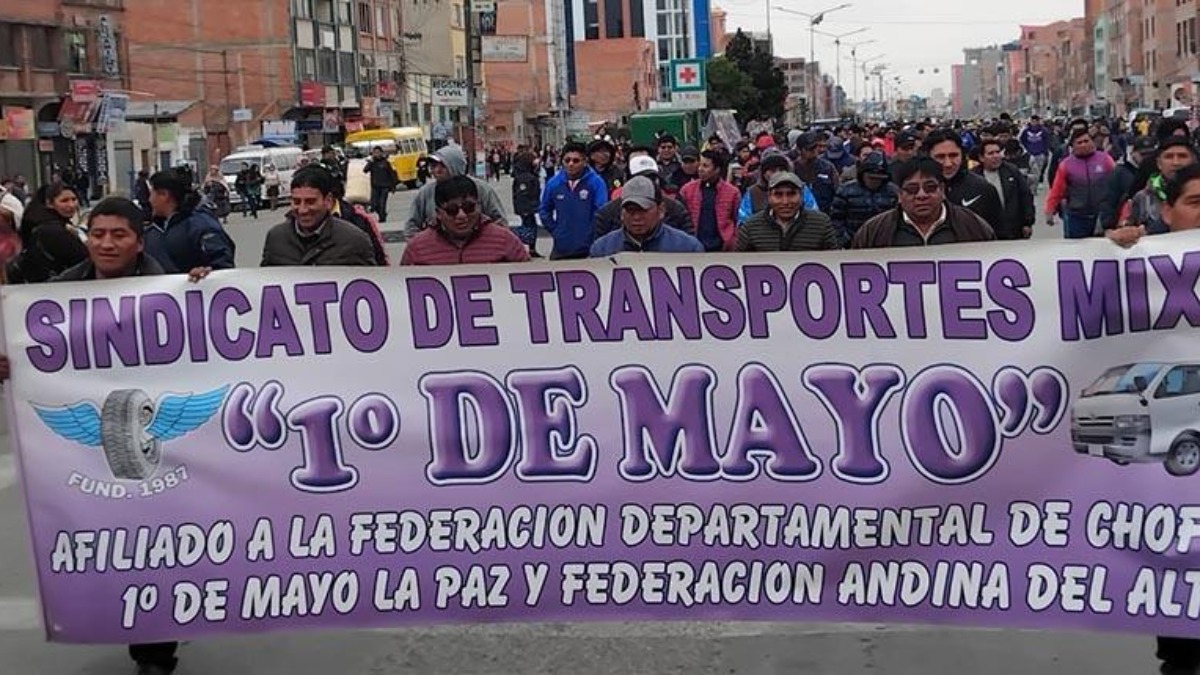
x,y
608,218
642,228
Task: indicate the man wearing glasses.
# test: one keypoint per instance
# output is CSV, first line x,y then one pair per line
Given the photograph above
x,y
924,217
462,235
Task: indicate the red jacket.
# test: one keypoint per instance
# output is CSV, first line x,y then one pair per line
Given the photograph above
x,y
728,199
491,243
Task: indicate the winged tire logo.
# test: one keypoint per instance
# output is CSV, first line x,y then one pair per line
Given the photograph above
x,y
130,427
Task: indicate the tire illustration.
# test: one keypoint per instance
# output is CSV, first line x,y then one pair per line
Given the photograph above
x,y
132,453
1184,457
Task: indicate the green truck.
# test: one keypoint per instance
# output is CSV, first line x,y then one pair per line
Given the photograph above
x,y
684,125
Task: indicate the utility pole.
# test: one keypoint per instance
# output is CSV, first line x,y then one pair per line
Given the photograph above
x,y
242,96
469,34
228,98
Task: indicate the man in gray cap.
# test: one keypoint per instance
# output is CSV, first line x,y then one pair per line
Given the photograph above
x,y
786,225
608,218
642,227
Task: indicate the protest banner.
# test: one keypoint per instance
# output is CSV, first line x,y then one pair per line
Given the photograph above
x,y
1000,435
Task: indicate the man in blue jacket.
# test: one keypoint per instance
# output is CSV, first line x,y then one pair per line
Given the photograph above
x,y
570,202
642,229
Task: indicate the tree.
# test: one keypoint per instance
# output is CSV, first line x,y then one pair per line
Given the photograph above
x,y
761,89
728,86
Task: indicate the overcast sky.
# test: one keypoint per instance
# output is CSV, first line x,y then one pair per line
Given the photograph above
x,y
911,34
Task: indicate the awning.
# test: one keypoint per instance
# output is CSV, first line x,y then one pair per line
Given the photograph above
x,y
162,111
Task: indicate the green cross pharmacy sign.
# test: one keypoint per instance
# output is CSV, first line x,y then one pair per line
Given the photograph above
x,y
689,84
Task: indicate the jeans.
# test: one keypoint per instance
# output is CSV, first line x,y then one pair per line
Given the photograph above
x,y
1037,167
527,231
1179,656
379,200
161,654
1079,226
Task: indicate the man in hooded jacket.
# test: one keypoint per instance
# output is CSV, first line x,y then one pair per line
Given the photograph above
x,y
446,162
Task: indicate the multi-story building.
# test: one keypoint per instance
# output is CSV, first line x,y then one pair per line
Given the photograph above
x,y
1058,70
44,47
677,29
797,78
432,47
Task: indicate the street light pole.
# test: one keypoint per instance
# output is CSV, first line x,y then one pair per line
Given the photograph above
x,y
854,63
813,21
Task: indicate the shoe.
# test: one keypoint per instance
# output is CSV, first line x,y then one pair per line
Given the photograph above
x,y
153,669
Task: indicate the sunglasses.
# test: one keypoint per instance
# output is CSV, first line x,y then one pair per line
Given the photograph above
x,y
467,207
929,187
572,160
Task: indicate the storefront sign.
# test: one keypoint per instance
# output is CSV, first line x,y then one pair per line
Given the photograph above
x,y
85,91
505,49
109,60
331,121
22,125
450,93
312,94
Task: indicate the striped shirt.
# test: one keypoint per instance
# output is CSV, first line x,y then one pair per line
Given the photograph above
x,y
808,231
491,243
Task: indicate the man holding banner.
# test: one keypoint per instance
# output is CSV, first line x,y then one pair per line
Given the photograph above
x,y
1180,211
116,244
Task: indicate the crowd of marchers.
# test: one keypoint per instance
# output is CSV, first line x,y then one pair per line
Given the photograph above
x,y
812,190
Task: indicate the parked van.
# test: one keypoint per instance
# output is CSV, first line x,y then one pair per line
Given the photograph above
x,y
1142,413
405,146
285,160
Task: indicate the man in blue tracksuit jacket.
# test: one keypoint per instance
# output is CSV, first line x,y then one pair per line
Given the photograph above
x,y
570,202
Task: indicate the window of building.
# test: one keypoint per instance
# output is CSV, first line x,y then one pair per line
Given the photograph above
x,y
327,66
77,51
307,59
345,11
456,16
302,9
380,20
414,112
8,45
591,20
637,19
346,70
396,21
364,17
40,38
614,19
428,109
460,67
324,10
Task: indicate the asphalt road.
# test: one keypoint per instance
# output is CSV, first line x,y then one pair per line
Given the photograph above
x,y
575,649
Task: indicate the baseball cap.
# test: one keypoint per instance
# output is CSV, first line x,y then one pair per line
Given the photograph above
x,y
874,164
14,207
641,191
641,165
690,152
785,178
905,139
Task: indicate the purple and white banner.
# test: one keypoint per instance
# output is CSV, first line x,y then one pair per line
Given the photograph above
x,y
1002,435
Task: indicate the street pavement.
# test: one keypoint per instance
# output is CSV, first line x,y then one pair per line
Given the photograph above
x,y
694,648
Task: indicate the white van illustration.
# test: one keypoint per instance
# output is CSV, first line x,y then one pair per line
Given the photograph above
x,y
1142,413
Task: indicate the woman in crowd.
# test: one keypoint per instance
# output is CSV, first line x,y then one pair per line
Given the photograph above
x,y
51,242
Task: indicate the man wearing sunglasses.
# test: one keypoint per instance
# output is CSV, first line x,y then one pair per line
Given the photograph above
x,y
570,202
924,217
462,236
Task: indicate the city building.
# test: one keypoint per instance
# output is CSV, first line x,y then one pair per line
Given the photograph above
x,y
45,47
432,47
1057,69
518,66
796,76
677,29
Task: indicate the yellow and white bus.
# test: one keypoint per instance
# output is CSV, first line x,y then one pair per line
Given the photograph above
x,y
403,145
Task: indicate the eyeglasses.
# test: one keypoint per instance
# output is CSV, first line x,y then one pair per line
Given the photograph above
x,y
467,207
929,187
